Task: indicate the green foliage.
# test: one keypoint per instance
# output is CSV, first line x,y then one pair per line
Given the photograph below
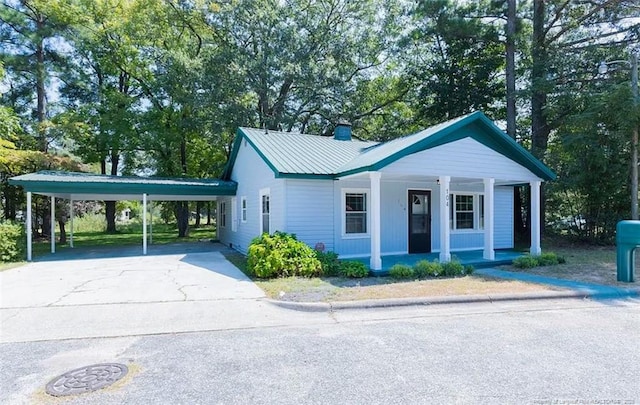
x,y
425,268
468,269
525,262
281,255
12,242
453,268
89,223
329,262
401,271
547,259
353,269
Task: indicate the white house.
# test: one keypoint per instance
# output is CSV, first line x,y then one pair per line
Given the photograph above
x,y
447,188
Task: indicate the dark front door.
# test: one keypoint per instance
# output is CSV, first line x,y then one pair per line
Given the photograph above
x,y
419,221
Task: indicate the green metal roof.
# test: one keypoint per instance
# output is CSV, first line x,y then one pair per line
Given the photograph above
x,y
475,125
311,156
87,186
290,154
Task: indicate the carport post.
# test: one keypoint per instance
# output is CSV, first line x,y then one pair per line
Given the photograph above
x,y
150,222
144,223
53,224
28,226
71,223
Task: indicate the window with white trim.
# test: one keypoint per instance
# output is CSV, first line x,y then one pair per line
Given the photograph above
x,y
355,213
223,214
466,212
243,209
265,211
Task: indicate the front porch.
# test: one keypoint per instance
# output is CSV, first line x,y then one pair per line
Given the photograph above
x,y
469,257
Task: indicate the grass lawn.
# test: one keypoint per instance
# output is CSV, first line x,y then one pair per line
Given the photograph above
x,y
318,289
591,264
128,235
6,266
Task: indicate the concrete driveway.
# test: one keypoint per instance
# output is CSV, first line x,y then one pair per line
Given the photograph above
x,y
116,296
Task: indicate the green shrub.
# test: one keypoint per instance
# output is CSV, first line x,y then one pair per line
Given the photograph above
x,y
329,262
400,271
425,268
547,259
353,269
468,269
525,262
281,255
12,242
562,260
452,268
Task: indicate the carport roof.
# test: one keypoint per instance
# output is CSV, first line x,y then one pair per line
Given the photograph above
x,y
87,186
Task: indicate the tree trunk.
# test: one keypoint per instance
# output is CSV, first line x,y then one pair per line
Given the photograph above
x,y
63,232
110,206
510,50
198,209
41,105
539,126
182,218
208,212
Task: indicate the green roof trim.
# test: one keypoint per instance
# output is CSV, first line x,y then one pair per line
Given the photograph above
x,y
60,182
291,155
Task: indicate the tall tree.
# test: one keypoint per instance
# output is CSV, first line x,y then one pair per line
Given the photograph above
x,y
458,61
29,31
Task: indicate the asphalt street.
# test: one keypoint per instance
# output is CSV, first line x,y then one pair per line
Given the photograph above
x,y
528,352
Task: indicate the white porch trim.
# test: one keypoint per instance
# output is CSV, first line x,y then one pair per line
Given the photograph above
x,y
376,260
28,225
445,231
144,223
535,218
53,224
489,252
71,223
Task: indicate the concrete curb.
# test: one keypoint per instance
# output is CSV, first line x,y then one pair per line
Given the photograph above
x,y
452,299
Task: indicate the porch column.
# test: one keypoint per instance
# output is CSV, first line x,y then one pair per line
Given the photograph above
x,y
445,231
71,223
29,225
376,259
489,253
53,224
535,218
144,223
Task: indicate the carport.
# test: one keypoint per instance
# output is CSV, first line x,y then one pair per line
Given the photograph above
x,y
75,186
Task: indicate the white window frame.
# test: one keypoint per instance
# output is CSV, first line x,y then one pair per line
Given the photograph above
x,y
234,214
223,214
478,224
264,192
243,209
343,212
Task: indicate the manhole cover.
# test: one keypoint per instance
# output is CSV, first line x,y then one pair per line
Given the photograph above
x,y
86,379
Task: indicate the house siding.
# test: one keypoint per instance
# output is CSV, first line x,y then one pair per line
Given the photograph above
x,y
456,158
503,220
252,175
309,211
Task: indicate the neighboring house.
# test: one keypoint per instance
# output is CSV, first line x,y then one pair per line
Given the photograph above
x,y
444,189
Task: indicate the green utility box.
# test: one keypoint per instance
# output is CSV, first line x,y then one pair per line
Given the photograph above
x,y
627,240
